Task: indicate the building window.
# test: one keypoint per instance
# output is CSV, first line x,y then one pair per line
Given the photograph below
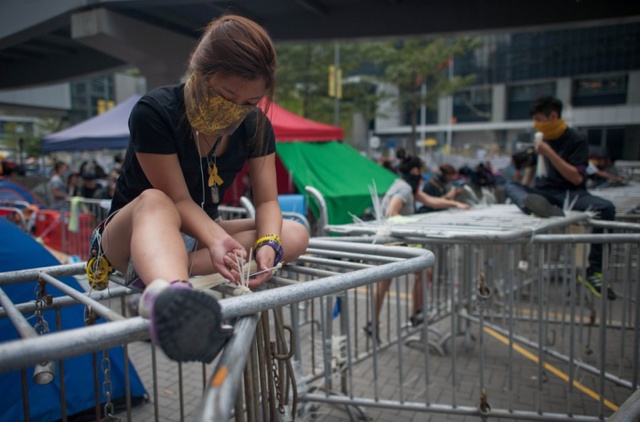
x,y
519,98
473,105
599,91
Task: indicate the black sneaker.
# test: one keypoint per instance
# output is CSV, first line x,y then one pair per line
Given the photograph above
x,y
368,330
186,324
540,207
594,283
416,319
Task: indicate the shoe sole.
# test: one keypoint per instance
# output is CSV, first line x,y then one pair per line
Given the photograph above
x,y
541,207
188,325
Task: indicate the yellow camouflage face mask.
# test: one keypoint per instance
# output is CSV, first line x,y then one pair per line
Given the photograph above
x,y
551,130
210,113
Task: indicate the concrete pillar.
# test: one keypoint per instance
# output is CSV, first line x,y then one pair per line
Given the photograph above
x,y
631,148
499,103
444,110
160,55
633,87
563,91
360,136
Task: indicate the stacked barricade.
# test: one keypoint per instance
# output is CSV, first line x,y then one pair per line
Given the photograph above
x,y
507,332
504,292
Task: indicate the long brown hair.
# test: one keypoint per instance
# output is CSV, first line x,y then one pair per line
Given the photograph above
x,y
234,45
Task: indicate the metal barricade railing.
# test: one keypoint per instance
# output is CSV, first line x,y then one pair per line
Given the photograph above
x,y
507,286
294,287
70,231
291,215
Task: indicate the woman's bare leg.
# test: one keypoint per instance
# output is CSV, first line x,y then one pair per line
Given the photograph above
x,y
379,294
148,231
417,293
185,323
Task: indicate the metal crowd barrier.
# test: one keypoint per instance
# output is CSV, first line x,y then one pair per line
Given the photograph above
x,y
504,291
508,333
218,396
70,231
625,198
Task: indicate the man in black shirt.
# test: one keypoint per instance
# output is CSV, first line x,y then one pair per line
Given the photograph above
x,y
566,155
438,186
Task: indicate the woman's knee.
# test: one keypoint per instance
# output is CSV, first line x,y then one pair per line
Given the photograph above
x,y
295,239
152,201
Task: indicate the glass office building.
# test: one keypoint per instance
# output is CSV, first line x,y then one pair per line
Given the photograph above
x,y
594,70
91,97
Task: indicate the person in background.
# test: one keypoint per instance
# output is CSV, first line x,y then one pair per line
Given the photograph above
x,y
400,156
93,179
598,176
90,186
57,187
400,199
565,153
439,186
107,191
187,144
74,184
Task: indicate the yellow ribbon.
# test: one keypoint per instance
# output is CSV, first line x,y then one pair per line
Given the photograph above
x,y
214,177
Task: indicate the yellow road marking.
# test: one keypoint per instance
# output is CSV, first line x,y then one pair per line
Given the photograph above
x,y
550,368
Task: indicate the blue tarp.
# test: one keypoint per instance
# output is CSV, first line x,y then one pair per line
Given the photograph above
x,y
20,251
109,130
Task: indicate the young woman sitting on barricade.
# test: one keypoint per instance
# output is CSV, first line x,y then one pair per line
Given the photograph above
x,y
187,144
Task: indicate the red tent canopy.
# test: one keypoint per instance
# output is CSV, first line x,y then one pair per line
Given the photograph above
x,y
289,126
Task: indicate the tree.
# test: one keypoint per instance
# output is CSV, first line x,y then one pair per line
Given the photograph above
x,y
302,81
410,63
302,76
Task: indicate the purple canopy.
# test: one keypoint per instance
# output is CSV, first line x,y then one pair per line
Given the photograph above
x,y
109,130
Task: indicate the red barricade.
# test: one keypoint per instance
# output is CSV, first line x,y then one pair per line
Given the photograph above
x,y
53,229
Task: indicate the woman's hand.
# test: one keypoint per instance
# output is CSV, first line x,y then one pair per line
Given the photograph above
x,y
225,254
265,257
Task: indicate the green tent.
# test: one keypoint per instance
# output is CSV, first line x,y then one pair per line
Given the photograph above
x,y
339,172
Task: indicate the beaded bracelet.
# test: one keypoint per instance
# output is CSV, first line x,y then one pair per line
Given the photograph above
x,y
273,237
276,247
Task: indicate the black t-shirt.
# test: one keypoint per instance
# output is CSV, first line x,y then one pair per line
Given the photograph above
x,y
433,188
158,125
573,148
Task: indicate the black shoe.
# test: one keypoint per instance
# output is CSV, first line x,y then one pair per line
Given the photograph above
x,y
416,319
594,283
540,207
187,325
368,330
